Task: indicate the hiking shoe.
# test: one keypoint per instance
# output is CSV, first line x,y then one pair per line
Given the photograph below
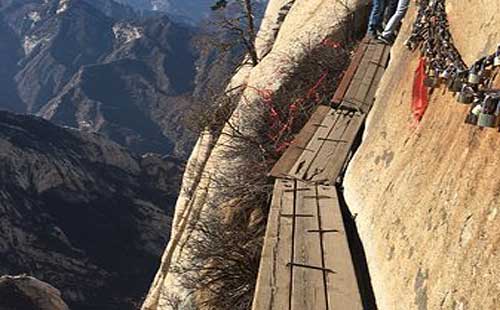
x,y
385,40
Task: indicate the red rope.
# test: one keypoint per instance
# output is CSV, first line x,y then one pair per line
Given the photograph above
x,y
280,125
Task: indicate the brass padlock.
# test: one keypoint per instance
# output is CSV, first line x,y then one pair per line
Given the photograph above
x,y
432,79
456,81
455,84
487,117
465,96
474,77
472,117
487,120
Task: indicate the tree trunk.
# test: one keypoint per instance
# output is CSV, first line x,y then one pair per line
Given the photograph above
x,y
251,31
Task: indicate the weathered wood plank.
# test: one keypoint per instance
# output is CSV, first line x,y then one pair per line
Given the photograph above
x,y
359,77
378,64
349,73
308,285
342,286
303,163
335,165
273,286
284,165
335,150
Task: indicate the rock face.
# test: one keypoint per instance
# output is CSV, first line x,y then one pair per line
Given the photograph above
x,y
80,212
28,293
427,199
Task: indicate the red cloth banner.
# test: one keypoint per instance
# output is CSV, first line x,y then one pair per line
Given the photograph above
x,y
420,98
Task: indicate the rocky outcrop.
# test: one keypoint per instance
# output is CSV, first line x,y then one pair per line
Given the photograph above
x,y
81,212
426,198
28,293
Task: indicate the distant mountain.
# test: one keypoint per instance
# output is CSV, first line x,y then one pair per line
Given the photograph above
x,y
190,11
99,68
193,10
80,212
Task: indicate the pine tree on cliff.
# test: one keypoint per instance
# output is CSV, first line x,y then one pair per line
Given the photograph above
x,y
242,26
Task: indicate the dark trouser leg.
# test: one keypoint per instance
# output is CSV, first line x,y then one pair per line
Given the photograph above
x,y
376,15
390,10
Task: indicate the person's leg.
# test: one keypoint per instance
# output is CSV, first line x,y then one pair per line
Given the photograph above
x,y
390,10
392,25
376,15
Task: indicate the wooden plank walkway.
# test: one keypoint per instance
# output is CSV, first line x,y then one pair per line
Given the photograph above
x,y
320,150
306,262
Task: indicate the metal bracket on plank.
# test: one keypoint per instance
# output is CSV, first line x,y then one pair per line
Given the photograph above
x,y
292,264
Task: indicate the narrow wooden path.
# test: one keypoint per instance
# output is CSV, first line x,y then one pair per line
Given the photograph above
x,y
306,262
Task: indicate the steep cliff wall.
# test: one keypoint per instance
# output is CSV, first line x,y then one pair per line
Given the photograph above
x,y
427,199
306,25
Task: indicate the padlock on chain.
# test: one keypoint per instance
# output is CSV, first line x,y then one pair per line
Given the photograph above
x,y
432,78
447,73
487,117
484,71
473,115
474,77
456,81
496,60
466,95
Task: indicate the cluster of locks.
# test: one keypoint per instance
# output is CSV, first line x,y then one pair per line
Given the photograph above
x,y
472,85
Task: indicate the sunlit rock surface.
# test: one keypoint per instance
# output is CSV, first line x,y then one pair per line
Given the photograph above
x,y
427,199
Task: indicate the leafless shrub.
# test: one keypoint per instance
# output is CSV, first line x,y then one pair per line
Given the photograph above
x,y
226,263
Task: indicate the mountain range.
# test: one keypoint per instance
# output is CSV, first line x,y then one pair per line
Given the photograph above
x,y
81,212
101,69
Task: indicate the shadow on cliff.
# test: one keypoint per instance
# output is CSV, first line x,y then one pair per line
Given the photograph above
x,y
355,244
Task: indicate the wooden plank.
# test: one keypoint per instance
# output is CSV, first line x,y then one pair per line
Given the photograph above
x,y
368,82
273,286
369,98
349,73
359,76
342,286
293,152
335,164
333,152
306,158
308,285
